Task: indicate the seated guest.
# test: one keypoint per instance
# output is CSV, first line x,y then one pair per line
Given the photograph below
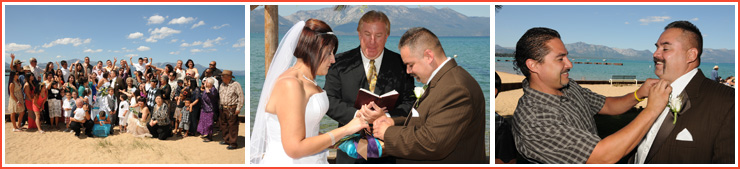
x,y
102,125
159,126
81,118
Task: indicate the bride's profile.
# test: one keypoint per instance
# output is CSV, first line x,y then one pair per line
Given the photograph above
x,y
287,122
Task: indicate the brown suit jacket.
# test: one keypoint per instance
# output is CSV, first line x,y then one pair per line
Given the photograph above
x,y
709,115
451,123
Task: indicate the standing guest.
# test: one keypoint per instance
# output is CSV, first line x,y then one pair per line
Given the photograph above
x,y
159,126
42,94
98,70
180,72
34,68
139,66
715,74
117,85
16,103
138,78
214,72
208,74
231,99
191,67
30,88
71,85
81,119
67,106
79,71
194,106
87,67
49,69
210,103
55,104
124,71
179,117
184,112
151,93
65,70
123,113
137,123
111,66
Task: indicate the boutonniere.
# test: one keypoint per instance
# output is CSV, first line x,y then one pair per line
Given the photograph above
x,y
674,103
418,92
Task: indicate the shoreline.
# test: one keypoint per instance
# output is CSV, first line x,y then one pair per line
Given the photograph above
x,y
506,102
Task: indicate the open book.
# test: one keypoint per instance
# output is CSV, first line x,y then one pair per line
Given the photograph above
x,y
387,100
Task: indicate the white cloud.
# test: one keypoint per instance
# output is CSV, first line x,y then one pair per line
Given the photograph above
x,y
210,43
161,33
67,41
127,50
181,20
195,50
135,35
201,23
35,51
92,51
59,56
220,26
156,19
16,47
173,40
651,19
695,19
131,55
143,48
626,23
240,43
175,53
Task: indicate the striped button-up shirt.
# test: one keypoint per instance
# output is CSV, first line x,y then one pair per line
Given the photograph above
x,y
231,94
557,129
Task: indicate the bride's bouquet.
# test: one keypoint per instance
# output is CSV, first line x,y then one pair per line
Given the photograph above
x,y
360,146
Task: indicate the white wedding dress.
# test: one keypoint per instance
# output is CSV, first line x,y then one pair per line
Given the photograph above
x,y
316,108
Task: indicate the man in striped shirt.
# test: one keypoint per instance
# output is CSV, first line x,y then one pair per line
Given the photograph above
x,y
553,121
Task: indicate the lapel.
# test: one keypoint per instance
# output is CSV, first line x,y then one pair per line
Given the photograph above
x,y
667,128
432,84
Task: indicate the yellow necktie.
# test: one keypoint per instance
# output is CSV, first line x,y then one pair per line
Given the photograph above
x,y
372,76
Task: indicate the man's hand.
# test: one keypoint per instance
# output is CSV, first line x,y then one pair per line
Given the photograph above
x,y
380,125
237,111
644,90
659,96
12,56
371,111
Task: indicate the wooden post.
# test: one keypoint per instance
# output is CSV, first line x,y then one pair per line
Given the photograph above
x,y
271,34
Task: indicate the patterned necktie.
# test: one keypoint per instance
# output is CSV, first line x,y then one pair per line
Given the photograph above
x,y
372,76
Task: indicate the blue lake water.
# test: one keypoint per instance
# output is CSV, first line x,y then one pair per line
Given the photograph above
x,y
643,69
473,54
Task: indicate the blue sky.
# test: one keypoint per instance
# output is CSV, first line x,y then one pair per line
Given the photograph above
x,y
165,33
636,27
468,10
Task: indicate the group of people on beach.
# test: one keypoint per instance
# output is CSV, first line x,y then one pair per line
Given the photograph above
x,y
145,101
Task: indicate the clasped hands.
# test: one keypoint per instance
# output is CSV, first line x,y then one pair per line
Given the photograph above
x,y
374,114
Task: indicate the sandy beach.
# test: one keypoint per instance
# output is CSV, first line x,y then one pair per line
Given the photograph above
x,y
58,147
506,101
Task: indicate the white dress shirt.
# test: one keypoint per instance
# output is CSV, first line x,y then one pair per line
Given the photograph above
x,y
678,85
366,63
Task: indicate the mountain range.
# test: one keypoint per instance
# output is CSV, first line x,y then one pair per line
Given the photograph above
x,y
585,50
443,22
200,67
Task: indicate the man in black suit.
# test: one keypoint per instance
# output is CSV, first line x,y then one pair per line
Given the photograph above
x,y
118,85
369,66
704,130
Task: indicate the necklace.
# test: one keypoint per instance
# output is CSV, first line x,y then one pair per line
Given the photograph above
x,y
314,82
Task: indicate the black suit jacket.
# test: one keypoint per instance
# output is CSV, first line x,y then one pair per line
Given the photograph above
x,y
347,76
119,85
709,115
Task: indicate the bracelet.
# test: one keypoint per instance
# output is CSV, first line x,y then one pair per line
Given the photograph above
x,y
333,141
637,98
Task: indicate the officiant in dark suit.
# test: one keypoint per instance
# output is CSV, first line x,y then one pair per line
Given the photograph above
x,y
370,66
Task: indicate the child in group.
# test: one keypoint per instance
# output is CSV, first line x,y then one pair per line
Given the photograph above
x,y
123,113
67,106
183,100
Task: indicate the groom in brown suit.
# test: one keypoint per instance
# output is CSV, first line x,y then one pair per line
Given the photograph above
x,y
704,131
447,123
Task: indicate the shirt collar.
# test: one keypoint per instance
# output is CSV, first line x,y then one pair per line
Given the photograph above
x,y
679,84
437,70
366,61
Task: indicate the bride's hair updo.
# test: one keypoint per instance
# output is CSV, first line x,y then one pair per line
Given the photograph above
x,y
314,43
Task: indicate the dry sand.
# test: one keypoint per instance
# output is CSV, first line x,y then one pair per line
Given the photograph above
x,y
58,147
506,101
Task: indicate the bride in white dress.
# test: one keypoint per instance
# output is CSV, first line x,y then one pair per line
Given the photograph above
x,y
287,123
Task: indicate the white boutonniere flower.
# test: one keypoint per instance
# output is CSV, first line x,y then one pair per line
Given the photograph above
x,y
674,103
418,92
